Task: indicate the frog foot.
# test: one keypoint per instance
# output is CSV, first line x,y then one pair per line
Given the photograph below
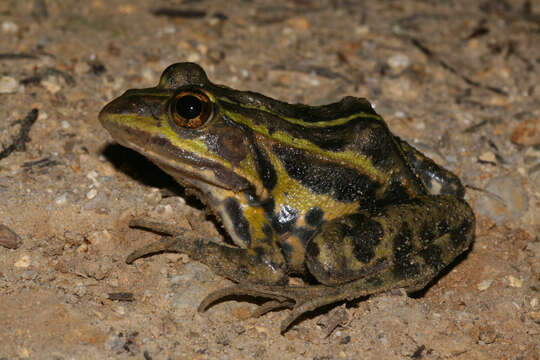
x,y
300,299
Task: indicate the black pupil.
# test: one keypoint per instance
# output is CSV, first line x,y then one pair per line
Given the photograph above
x,y
189,106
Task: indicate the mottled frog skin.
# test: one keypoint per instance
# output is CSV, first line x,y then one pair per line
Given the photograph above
x,y
326,193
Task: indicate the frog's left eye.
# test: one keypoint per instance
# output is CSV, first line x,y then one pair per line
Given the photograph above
x,y
191,109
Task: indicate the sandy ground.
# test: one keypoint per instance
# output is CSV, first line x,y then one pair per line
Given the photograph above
x,y
459,79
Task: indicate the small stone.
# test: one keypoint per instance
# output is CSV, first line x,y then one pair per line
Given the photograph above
x,y
24,353
91,194
534,316
514,281
153,197
261,330
484,285
487,334
298,23
526,133
162,211
120,310
82,68
8,238
399,61
82,248
51,85
361,29
8,85
62,199
23,262
9,27
488,156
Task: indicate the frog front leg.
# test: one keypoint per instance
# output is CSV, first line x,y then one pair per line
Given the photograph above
x,y
260,265
437,179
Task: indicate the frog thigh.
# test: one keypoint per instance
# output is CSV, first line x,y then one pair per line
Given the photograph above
x,y
437,179
408,242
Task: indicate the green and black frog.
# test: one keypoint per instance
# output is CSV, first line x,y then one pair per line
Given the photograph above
x,y
325,193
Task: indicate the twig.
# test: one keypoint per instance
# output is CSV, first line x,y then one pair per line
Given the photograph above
x,y
19,142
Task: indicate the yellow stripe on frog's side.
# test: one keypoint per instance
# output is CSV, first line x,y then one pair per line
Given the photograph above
x,y
362,162
307,124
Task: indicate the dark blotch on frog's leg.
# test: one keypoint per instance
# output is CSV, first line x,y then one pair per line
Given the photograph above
x,y
457,234
365,235
442,227
240,223
404,267
426,233
402,247
406,270
314,216
432,256
343,249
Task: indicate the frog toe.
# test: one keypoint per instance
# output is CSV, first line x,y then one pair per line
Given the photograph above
x,y
166,243
239,290
157,226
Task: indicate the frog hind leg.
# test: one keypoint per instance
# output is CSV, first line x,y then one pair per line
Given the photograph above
x,y
418,239
262,265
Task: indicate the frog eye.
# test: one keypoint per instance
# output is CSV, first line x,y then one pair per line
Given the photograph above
x,y
191,109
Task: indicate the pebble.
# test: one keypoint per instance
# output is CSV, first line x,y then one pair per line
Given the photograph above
x,y
399,61
506,200
484,285
23,262
8,85
91,194
526,133
120,310
9,27
8,238
162,211
514,281
51,84
61,199
488,156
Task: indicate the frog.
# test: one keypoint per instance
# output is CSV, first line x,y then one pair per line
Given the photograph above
x,y
322,204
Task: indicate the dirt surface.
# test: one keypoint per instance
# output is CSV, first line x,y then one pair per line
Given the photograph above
x,y
459,79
